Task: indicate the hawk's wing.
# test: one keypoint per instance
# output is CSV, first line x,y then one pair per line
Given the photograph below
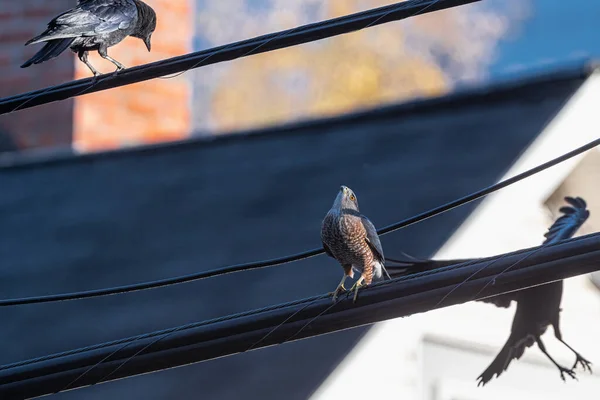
x,y
373,239
327,250
93,17
563,228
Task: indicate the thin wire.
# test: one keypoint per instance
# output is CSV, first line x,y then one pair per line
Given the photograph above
x,y
385,283
44,91
158,339
280,325
309,33
165,331
255,312
468,279
97,78
553,237
286,33
164,336
298,256
264,337
335,303
493,279
250,313
230,317
279,35
84,373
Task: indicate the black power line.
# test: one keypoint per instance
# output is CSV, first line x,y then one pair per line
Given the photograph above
x,y
310,317
295,257
260,44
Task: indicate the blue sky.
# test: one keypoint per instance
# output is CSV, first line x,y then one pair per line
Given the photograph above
x,y
556,30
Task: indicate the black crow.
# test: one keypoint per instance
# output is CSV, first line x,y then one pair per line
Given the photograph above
x,y
95,25
537,307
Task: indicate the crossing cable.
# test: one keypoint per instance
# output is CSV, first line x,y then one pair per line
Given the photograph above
x,y
298,256
261,44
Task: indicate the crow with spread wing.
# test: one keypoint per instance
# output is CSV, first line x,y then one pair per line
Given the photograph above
x,y
537,307
95,25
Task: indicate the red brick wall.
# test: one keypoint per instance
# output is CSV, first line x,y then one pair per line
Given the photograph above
x,y
46,126
147,112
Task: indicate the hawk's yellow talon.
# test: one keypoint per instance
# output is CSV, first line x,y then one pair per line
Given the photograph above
x,y
340,288
358,284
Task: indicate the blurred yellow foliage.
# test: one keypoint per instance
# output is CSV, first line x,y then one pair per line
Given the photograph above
x,y
341,74
336,75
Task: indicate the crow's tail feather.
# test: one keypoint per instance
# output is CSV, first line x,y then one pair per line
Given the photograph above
x,y
513,349
499,365
50,50
45,36
412,265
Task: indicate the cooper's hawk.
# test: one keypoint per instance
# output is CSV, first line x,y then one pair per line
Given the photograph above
x,y
350,238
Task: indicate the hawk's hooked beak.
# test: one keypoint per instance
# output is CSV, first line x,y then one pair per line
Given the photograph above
x,y
343,189
147,42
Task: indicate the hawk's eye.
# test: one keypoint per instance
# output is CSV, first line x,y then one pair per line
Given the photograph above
x,y
352,197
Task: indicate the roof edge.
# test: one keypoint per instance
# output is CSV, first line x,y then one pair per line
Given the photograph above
x,y
465,95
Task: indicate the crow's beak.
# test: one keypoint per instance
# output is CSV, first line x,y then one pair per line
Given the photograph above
x,y
147,43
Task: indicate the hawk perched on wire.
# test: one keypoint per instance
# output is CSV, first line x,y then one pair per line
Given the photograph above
x,y
350,238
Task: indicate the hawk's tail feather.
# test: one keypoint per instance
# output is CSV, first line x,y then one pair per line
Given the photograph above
x,y
50,50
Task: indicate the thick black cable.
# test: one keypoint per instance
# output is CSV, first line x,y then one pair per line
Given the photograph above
x,y
167,331
416,294
281,306
296,257
245,314
260,44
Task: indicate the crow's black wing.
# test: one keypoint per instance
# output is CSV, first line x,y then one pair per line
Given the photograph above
x,y
99,16
90,18
563,228
502,300
567,224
